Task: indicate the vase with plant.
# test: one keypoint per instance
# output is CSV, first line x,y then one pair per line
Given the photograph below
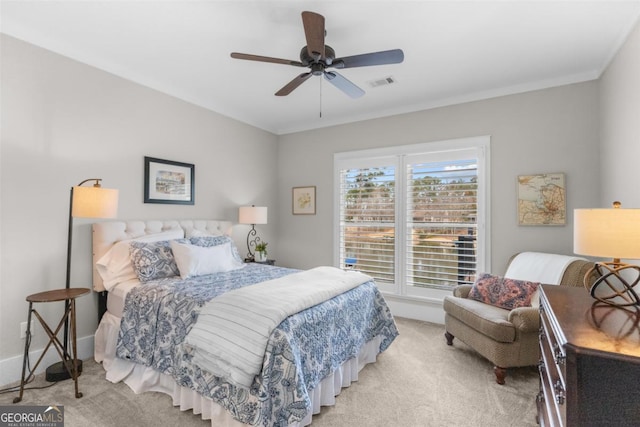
x,y
261,252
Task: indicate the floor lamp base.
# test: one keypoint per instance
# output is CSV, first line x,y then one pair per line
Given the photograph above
x,y
58,372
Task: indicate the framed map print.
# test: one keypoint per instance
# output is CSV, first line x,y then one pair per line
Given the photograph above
x,y
542,199
304,200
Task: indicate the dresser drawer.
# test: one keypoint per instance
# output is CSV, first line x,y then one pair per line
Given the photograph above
x,y
552,372
557,354
548,414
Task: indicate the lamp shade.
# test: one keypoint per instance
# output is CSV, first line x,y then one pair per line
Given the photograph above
x,y
252,215
608,233
94,202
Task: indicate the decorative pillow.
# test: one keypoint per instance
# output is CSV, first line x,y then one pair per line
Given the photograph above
x,y
115,266
195,260
503,292
153,260
208,241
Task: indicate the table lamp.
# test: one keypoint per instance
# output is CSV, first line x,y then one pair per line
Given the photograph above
x,y
84,202
610,233
252,215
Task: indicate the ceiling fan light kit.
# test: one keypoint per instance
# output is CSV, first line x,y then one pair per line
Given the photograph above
x,y
318,57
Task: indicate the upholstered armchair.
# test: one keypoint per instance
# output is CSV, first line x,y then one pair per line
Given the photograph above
x,y
508,338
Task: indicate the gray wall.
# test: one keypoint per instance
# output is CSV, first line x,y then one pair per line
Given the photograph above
x,y
620,126
63,122
546,131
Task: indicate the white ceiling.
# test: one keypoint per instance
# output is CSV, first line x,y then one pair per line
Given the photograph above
x,y
455,51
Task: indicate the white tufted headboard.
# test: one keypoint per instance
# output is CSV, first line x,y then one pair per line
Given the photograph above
x,y
106,234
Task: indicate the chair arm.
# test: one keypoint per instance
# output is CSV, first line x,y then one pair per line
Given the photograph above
x,y
525,319
462,291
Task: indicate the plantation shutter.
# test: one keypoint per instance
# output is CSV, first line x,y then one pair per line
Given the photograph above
x,y
367,216
441,219
414,217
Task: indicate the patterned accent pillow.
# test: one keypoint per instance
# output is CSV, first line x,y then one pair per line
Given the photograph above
x,y
153,260
208,241
503,292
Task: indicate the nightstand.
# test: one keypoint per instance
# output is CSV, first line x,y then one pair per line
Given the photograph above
x,y
69,361
267,262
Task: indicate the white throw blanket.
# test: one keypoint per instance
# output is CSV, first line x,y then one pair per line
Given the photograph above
x,y
231,334
539,267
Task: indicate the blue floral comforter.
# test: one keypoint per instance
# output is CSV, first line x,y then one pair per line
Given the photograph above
x,y
302,350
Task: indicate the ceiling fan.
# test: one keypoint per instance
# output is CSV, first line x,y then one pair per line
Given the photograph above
x,y
319,57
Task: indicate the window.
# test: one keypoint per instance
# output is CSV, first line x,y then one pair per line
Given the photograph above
x,y
368,218
413,217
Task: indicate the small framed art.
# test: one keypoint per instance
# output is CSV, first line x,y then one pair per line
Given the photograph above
x,y
168,182
304,200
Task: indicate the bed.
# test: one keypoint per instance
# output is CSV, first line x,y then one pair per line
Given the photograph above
x,y
162,330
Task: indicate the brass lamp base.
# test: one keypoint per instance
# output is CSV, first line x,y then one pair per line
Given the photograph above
x,y
58,372
611,286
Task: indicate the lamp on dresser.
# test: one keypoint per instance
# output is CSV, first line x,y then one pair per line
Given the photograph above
x,y
84,202
252,215
610,233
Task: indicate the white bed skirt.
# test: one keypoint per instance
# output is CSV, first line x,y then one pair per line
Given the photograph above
x,y
142,379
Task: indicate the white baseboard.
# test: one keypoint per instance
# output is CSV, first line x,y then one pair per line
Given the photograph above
x,y
11,368
427,310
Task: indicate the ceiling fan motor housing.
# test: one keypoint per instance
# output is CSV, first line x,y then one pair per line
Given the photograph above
x,y
307,60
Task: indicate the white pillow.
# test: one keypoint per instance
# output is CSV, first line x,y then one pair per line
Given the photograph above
x,y
195,260
115,266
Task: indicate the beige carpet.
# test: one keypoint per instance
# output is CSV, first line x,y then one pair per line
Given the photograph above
x,y
418,381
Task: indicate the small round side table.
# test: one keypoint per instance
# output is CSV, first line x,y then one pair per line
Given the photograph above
x,y
70,362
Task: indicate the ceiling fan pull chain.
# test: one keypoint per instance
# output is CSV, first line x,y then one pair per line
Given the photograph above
x,y
320,97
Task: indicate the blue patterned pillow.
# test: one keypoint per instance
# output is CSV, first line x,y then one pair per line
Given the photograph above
x,y
208,241
153,260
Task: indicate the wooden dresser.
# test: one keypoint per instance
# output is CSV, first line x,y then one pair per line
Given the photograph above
x,y
590,364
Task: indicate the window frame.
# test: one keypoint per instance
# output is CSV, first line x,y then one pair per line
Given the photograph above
x,y
397,157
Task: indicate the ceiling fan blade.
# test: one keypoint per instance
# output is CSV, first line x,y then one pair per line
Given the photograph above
x,y
394,56
259,58
343,84
314,31
293,84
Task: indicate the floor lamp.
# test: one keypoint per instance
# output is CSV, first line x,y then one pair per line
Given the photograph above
x,y
610,233
252,215
84,202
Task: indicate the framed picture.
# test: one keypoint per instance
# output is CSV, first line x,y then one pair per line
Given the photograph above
x,y
542,199
304,200
168,182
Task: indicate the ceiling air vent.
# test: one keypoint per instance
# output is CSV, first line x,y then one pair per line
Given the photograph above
x,y
382,82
